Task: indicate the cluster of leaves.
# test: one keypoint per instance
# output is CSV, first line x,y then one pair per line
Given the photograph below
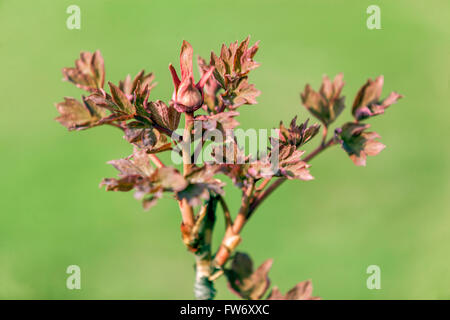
x,y
150,126
327,104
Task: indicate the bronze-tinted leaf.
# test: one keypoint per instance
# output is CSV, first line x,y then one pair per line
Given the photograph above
x,y
89,71
368,101
138,165
327,104
170,178
148,139
128,86
201,183
121,100
297,135
358,143
231,72
246,283
245,93
76,115
301,291
137,173
103,100
289,165
235,61
163,115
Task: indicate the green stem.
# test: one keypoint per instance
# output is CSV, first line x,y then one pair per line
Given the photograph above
x,y
203,287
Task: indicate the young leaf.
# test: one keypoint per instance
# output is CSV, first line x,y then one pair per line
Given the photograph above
x,y
201,184
246,283
121,100
297,135
231,72
145,137
163,115
128,87
358,143
89,71
327,104
234,62
290,165
147,181
367,102
75,115
245,93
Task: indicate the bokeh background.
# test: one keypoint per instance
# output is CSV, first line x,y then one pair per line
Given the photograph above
x,y
393,213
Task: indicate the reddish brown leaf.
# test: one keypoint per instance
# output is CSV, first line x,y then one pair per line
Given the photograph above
x,y
163,115
201,184
246,283
327,104
297,135
121,100
358,143
367,102
76,115
89,71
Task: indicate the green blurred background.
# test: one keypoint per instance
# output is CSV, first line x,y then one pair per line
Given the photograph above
x,y
394,213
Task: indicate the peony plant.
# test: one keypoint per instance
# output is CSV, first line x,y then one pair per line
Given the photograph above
x,y
209,108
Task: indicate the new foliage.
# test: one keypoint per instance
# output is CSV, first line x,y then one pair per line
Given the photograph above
x,y
149,125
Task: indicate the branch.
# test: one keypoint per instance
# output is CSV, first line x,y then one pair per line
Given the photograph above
x,y
154,158
187,211
231,238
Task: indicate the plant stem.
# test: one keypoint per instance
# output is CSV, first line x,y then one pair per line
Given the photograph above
x,y
188,123
203,286
154,158
187,211
232,231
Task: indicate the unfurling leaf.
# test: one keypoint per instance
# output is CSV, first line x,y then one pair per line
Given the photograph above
x,y
121,100
234,62
289,166
129,87
301,291
163,115
327,104
75,115
145,137
245,93
231,72
147,181
367,102
358,143
245,282
297,135
89,71
201,184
